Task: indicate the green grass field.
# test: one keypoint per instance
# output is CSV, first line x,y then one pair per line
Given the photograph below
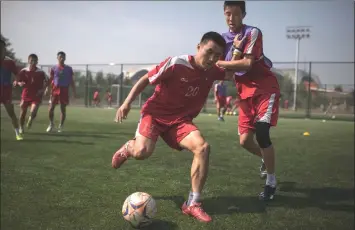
x,y
65,180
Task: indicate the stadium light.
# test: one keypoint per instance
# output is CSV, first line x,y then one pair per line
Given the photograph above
x,y
297,33
112,63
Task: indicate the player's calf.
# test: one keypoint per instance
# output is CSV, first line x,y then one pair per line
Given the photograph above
x,y
263,138
33,114
15,123
199,170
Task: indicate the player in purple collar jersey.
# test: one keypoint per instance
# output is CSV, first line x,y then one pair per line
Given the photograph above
x,y
257,87
61,77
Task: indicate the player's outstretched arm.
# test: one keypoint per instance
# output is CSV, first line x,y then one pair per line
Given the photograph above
x,y
124,109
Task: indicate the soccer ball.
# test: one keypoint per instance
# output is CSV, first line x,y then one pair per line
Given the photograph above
x,y
138,209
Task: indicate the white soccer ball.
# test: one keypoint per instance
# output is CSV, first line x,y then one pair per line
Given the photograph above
x,y
138,209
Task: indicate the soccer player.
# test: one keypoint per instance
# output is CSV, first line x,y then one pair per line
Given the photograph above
x,y
258,89
61,77
34,81
220,95
96,98
182,87
229,103
7,68
109,98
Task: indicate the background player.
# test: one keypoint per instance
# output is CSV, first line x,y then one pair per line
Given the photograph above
x,y
34,81
258,89
96,98
7,69
229,104
220,95
61,76
170,111
109,98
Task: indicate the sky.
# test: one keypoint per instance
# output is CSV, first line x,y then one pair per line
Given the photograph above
x,y
96,32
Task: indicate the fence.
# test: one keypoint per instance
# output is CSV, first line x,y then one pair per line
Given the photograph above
x,y
321,86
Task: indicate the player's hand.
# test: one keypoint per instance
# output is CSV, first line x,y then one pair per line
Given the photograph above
x,y
238,41
122,112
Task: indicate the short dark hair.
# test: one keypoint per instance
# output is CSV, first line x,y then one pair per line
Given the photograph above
x,y
215,37
32,56
241,4
61,53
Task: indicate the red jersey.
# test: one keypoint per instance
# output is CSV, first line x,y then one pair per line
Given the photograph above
x,y
259,79
109,96
96,94
34,81
181,89
7,68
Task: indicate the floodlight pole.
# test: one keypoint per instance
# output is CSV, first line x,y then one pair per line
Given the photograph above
x,y
298,33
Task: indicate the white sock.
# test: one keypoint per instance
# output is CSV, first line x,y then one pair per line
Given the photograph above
x,y
262,160
17,132
194,197
271,180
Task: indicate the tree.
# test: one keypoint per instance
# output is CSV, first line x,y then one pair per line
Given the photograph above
x,y
9,52
110,78
338,88
99,79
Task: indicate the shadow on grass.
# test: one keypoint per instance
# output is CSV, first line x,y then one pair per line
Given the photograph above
x,y
224,204
72,134
58,141
161,225
326,198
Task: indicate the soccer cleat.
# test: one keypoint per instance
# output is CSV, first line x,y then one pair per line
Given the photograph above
x,y
263,172
60,128
19,137
195,210
50,128
120,156
220,118
268,194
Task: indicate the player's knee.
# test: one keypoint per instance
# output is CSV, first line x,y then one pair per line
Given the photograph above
x,y
141,153
202,150
262,133
246,140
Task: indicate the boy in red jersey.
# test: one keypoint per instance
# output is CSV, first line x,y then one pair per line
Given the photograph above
x,y
61,77
7,69
34,81
258,90
182,86
220,95
229,104
96,98
109,98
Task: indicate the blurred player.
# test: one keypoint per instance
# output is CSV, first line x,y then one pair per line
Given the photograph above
x,y
171,109
258,89
235,104
220,95
34,82
7,69
109,98
96,98
229,104
61,77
